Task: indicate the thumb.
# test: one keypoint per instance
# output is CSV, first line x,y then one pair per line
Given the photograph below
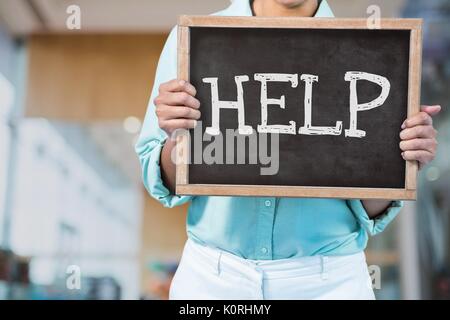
x,y
431,110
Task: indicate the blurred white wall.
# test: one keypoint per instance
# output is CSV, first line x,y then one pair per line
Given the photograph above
x,y
6,99
65,214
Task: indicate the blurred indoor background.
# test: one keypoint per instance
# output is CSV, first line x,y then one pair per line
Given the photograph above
x,y
71,200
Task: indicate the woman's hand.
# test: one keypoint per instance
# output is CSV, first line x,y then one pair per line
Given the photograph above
x,y
176,106
418,143
419,137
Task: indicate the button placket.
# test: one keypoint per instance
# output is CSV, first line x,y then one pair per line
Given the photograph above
x,y
265,228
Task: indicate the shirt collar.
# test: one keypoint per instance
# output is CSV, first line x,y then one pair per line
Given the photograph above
x,y
242,8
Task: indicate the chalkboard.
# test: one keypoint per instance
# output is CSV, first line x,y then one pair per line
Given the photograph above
x,y
299,80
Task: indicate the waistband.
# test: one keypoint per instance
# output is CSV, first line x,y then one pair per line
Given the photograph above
x,y
221,261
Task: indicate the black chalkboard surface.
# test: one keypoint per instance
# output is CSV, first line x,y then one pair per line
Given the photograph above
x,y
300,69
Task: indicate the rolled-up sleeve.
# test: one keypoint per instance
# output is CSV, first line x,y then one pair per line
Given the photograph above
x,y
151,139
377,225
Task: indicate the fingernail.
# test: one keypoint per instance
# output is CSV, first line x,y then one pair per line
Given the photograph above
x,y
403,125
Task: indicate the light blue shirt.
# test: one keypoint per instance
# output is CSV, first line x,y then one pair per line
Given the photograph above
x,y
252,227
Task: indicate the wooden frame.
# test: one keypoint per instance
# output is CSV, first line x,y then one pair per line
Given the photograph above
x,y
182,170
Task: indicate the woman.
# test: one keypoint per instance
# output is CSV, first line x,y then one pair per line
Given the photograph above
x,y
265,248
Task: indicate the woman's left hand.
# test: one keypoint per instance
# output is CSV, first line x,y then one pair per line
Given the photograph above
x,y
419,137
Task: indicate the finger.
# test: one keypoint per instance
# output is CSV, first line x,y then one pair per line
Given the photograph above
x,y
177,99
174,85
420,131
422,118
177,112
174,124
431,110
190,89
419,144
178,86
418,155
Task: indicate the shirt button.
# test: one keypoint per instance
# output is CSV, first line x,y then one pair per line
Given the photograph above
x,y
264,250
268,203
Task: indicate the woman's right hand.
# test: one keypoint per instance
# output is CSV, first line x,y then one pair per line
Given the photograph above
x,y
176,106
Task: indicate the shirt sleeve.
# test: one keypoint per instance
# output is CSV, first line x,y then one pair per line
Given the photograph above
x,y
151,139
377,225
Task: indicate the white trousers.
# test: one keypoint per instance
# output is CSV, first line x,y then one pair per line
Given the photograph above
x,y
207,273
